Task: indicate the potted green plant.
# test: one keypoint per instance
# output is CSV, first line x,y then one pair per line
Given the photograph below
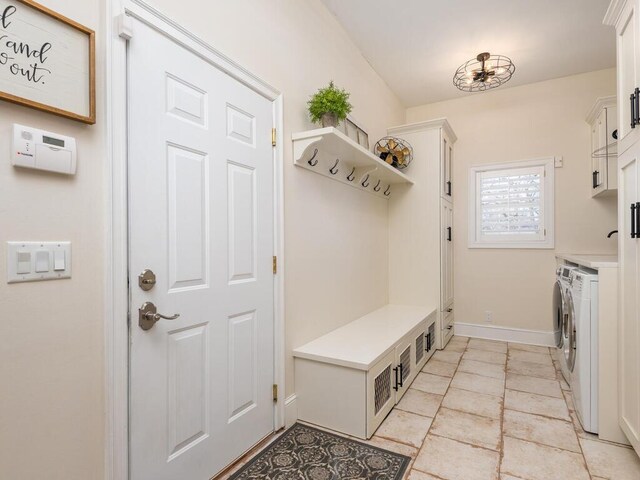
x,y
329,106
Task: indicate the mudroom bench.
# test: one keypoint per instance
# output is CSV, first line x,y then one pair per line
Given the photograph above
x,y
349,379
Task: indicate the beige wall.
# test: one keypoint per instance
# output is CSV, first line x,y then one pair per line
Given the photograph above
x,y
536,120
51,354
51,348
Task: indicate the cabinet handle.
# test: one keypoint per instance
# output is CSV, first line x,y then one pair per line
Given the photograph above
x,y
637,233
593,179
428,342
633,220
636,109
448,187
632,110
395,386
448,234
401,368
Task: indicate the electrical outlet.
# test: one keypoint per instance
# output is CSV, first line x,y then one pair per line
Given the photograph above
x,y
558,162
488,316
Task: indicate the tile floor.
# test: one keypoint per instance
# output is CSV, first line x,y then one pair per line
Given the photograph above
x,y
486,410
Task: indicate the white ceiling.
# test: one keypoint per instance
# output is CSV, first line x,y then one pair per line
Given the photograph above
x,y
417,45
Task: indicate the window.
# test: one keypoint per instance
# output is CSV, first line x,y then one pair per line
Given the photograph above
x,y
511,205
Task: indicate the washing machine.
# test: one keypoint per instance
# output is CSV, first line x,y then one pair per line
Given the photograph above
x,y
560,301
580,352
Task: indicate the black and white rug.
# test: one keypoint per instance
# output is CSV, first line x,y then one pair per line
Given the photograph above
x,y
306,453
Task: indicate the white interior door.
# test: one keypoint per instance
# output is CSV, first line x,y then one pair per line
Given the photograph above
x,y
201,218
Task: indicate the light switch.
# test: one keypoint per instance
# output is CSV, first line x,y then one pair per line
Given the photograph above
x,y
42,261
38,261
24,262
59,263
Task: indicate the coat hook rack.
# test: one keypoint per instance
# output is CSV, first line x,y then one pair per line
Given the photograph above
x,y
311,162
351,176
333,170
387,192
364,183
377,187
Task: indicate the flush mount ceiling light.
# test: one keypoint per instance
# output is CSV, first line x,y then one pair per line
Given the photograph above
x,y
484,72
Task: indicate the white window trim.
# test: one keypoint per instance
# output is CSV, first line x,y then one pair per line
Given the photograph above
x,y
549,204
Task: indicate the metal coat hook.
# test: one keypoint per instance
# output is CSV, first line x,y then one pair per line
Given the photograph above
x,y
311,162
377,187
351,177
333,170
364,181
387,192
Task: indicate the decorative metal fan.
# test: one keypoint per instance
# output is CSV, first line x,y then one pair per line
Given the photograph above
x,y
395,151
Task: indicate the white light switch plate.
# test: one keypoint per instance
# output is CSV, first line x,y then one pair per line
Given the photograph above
x,y
36,261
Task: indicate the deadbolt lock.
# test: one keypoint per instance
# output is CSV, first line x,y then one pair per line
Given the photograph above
x,y
147,280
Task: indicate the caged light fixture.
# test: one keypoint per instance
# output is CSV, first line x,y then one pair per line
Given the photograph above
x,y
484,72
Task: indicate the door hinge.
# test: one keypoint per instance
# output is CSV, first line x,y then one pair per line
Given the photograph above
x,y
275,264
273,137
275,392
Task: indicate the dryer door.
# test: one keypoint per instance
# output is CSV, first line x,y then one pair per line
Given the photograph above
x,y
569,334
559,312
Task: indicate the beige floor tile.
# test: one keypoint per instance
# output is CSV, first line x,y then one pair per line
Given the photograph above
x,y
532,369
455,347
396,447
447,356
541,386
482,368
468,428
484,356
531,357
431,383
437,367
404,427
548,431
459,340
509,477
473,402
539,462
443,458
422,403
477,383
418,475
538,404
610,461
528,348
488,345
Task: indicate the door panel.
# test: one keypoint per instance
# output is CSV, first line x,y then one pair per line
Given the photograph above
x,y
629,328
446,252
627,61
201,217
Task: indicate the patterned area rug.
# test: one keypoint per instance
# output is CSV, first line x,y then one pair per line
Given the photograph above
x,y
306,453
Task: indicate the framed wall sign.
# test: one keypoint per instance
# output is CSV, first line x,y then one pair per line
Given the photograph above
x,y
47,61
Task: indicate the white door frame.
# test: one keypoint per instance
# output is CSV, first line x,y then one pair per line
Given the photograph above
x,y
116,290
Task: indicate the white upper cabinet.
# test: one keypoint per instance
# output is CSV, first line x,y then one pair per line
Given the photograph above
x,y
603,122
623,15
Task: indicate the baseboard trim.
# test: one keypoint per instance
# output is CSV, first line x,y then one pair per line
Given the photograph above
x,y
290,410
505,334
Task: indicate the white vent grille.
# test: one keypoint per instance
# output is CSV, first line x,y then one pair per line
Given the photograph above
x,y
419,347
382,389
405,360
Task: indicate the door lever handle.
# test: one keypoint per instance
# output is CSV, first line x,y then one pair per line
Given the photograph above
x,y
148,316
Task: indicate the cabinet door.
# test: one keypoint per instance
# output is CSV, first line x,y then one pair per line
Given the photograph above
x,y
380,394
420,347
611,163
600,159
403,370
629,326
627,74
595,159
446,176
446,255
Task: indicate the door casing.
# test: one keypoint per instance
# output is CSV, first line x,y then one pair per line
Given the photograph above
x,y
116,291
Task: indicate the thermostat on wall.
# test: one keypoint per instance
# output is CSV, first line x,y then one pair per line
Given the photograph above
x,y
33,148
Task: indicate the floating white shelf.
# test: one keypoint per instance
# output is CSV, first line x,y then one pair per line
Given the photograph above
x,y
319,150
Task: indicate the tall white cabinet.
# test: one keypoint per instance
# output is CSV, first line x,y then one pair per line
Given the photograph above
x,y
624,16
421,233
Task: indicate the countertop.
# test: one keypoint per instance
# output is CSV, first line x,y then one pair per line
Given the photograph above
x,y
590,261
